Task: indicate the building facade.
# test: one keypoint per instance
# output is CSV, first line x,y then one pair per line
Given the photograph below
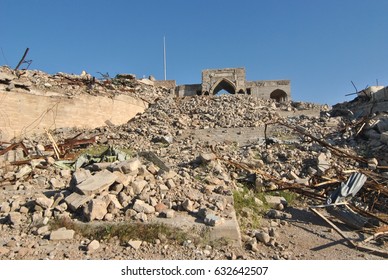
x,y
233,81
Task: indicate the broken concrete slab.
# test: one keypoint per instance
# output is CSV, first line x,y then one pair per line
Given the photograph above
x,y
75,200
142,207
96,209
79,176
62,234
44,201
96,184
128,166
138,185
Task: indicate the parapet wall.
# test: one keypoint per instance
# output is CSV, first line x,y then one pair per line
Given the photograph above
x,y
23,113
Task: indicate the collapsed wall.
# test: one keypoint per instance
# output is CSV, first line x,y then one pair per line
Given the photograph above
x,y
22,113
32,101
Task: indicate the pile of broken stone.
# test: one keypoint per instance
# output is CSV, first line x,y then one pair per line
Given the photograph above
x,y
169,172
70,85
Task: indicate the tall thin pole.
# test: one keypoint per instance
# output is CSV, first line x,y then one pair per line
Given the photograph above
x,y
164,58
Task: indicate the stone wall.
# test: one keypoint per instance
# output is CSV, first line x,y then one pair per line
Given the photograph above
x,y
211,77
23,113
169,84
265,88
188,90
232,80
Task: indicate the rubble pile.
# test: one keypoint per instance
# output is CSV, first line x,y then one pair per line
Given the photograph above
x,y
70,85
156,168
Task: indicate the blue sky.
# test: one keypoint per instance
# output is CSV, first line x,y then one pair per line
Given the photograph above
x,y
321,46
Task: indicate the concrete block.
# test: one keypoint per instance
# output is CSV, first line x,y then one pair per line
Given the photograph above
x,y
142,207
96,210
138,186
75,200
80,175
97,183
129,165
44,202
62,234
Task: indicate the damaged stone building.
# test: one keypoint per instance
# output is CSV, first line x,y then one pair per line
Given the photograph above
x,y
232,80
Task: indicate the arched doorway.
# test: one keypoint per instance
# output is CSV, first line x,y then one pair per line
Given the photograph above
x,y
279,95
225,85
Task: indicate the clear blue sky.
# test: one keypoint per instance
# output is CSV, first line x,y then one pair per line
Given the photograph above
x,y
321,46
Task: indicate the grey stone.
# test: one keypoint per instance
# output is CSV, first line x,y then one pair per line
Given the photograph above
x,y
75,200
62,234
213,220
65,173
138,186
258,201
3,251
163,189
135,244
322,163
23,171
80,175
123,199
96,209
123,179
166,175
168,213
4,207
112,200
129,165
56,183
170,183
93,246
97,183
263,237
141,207
276,214
44,201
43,230
142,217
207,157
188,205
274,201
109,217
15,218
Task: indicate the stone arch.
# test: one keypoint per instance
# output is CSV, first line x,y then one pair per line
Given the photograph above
x,y
279,95
223,84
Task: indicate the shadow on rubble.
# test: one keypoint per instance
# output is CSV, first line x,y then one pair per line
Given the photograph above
x,y
303,216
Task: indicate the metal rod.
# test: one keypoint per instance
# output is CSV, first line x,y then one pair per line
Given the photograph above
x,y
22,60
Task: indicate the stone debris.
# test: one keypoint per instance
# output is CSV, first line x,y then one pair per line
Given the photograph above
x,y
135,244
96,209
181,159
62,234
97,183
93,246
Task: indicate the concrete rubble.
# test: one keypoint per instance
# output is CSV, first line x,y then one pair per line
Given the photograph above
x,y
176,163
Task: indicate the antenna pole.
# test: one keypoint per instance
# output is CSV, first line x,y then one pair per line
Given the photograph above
x,y
164,58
